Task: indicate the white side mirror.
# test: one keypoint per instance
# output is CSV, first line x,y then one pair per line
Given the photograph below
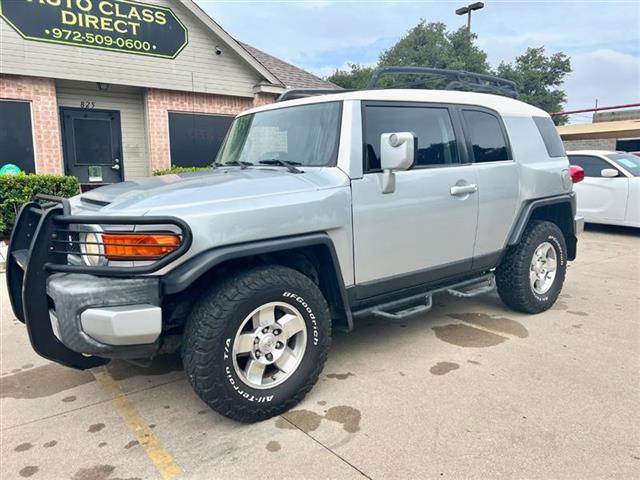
x,y
397,152
609,173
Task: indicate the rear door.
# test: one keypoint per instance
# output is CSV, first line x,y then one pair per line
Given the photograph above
x,y
497,173
423,231
600,199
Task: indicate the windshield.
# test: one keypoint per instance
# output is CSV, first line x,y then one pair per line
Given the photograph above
x,y
305,135
628,161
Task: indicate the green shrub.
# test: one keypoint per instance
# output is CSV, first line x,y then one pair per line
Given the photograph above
x,y
15,190
175,169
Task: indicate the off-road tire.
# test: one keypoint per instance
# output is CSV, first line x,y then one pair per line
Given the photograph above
x,y
214,322
512,276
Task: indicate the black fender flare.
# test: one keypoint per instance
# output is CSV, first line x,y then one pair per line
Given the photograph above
x,y
185,274
527,211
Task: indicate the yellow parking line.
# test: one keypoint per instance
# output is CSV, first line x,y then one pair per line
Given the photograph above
x,y
162,459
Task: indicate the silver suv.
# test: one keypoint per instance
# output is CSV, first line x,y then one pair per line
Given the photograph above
x,y
318,210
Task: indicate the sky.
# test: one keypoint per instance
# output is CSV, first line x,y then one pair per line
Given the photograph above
x,y
601,37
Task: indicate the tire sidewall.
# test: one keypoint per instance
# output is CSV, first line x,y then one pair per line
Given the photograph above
x,y
556,239
304,300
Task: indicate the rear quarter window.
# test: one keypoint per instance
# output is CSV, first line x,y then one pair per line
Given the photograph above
x,y
550,136
488,141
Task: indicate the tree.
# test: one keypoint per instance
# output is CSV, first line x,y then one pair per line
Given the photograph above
x,y
539,79
431,45
425,45
354,78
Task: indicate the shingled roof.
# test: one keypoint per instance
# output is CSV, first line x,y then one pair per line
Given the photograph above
x,y
290,75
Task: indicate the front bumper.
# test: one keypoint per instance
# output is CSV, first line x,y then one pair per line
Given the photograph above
x,y
110,317
76,315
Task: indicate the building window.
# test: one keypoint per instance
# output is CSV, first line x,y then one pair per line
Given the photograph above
x,y
16,135
487,139
436,141
195,139
628,145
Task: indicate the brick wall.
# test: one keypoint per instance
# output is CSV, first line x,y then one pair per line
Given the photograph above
x,y
591,144
41,92
161,102
263,99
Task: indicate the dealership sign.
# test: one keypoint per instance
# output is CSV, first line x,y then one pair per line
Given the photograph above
x,y
115,25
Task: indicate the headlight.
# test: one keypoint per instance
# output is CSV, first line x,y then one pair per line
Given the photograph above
x,y
92,249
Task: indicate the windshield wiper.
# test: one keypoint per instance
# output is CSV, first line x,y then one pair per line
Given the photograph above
x,y
278,161
241,164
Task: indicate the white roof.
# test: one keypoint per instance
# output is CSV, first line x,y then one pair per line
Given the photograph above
x,y
503,105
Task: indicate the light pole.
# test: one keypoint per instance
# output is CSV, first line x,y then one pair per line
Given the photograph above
x,y
467,11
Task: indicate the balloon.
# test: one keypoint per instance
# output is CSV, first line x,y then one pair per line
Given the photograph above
x,y
10,169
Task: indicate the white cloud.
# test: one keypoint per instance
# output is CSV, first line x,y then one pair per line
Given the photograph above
x,y
610,76
602,38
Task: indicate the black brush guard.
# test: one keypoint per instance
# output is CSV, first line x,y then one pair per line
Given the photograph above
x,y
38,248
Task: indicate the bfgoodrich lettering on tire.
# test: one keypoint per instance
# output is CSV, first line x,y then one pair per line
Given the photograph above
x,y
531,275
255,345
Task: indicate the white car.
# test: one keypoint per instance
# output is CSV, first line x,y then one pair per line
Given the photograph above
x,y
610,191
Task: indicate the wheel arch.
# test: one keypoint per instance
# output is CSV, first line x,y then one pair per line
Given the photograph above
x,y
313,255
560,210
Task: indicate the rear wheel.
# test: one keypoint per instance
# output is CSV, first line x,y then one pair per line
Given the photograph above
x,y
255,345
531,275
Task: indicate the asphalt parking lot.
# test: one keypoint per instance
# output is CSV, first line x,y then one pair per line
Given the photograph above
x,y
471,390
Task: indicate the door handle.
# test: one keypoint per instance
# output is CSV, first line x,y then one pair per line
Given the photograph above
x,y
457,190
115,167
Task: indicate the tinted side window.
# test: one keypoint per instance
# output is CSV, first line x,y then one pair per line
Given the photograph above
x,y
550,137
592,166
485,134
436,140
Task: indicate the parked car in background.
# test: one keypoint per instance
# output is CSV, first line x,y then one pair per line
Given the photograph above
x,y
610,192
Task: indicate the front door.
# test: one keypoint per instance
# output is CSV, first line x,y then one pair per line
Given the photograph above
x,y
92,146
425,230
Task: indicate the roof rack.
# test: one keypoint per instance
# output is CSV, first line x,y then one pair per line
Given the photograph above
x,y
429,78
455,80
308,92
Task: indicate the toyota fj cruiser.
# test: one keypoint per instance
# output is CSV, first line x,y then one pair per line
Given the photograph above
x,y
319,209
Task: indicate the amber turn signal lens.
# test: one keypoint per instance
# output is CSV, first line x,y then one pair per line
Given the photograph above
x,y
139,246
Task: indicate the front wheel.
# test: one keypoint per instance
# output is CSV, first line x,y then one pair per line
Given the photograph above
x,y
530,277
255,345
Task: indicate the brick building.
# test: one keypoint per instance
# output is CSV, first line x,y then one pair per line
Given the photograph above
x,y
109,90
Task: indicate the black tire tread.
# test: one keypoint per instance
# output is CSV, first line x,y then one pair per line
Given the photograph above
x,y
207,323
513,286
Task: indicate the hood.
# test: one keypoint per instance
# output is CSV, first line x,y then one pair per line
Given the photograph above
x,y
185,189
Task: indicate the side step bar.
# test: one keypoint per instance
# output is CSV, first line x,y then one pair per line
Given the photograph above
x,y
473,288
399,310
